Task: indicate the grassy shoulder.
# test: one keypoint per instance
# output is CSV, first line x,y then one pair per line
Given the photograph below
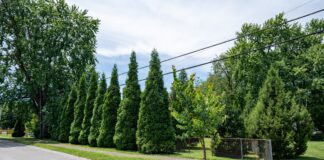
x,y
314,151
48,144
77,150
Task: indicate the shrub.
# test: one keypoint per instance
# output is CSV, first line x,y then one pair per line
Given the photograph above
x,y
19,130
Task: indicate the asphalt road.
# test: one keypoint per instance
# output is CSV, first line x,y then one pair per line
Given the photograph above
x,y
16,151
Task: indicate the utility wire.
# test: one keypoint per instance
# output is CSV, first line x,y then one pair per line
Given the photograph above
x,y
239,54
229,40
299,6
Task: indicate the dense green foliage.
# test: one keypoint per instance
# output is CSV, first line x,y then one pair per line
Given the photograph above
x,y
97,111
273,92
240,79
19,129
53,112
67,116
125,133
202,114
300,64
79,106
7,116
177,104
88,108
44,48
109,112
312,72
155,133
278,117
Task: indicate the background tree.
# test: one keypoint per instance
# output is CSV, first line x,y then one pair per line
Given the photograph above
x,y
125,133
53,111
202,115
311,71
22,112
19,129
66,116
109,112
237,77
97,111
88,108
7,116
79,106
155,133
178,101
28,32
278,117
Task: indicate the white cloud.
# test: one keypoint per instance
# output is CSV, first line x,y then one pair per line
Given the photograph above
x,y
179,26
173,27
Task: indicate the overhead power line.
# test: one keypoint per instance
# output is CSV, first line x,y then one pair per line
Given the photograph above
x,y
239,54
299,6
229,40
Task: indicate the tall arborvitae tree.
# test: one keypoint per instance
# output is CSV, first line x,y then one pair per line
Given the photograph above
x,y
125,133
97,112
66,117
155,133
88,110
276,116
109,112
76,125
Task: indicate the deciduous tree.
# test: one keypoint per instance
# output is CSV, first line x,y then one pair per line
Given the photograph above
x,y
46,45
203,113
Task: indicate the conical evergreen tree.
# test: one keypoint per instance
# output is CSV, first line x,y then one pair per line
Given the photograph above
x,y
88,110
276,116
67,116
76,125
109,112
155,133
97,112
125,133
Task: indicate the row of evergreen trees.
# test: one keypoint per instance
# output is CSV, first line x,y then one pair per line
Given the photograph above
x,y
96,115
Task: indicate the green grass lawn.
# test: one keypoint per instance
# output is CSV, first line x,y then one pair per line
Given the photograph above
x,y
315,150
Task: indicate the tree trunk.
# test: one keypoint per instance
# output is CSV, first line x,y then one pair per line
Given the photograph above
x,y
40,103
202,141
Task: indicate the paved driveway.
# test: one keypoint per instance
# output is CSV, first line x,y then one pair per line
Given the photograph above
x,y
16,151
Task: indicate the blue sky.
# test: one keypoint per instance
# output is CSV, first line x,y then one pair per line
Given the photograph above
x,y
176,27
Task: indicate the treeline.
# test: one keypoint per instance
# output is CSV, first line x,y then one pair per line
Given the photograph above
x,y
273,92
96,115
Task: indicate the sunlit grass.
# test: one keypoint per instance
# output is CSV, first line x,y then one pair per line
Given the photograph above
x,y
315,150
